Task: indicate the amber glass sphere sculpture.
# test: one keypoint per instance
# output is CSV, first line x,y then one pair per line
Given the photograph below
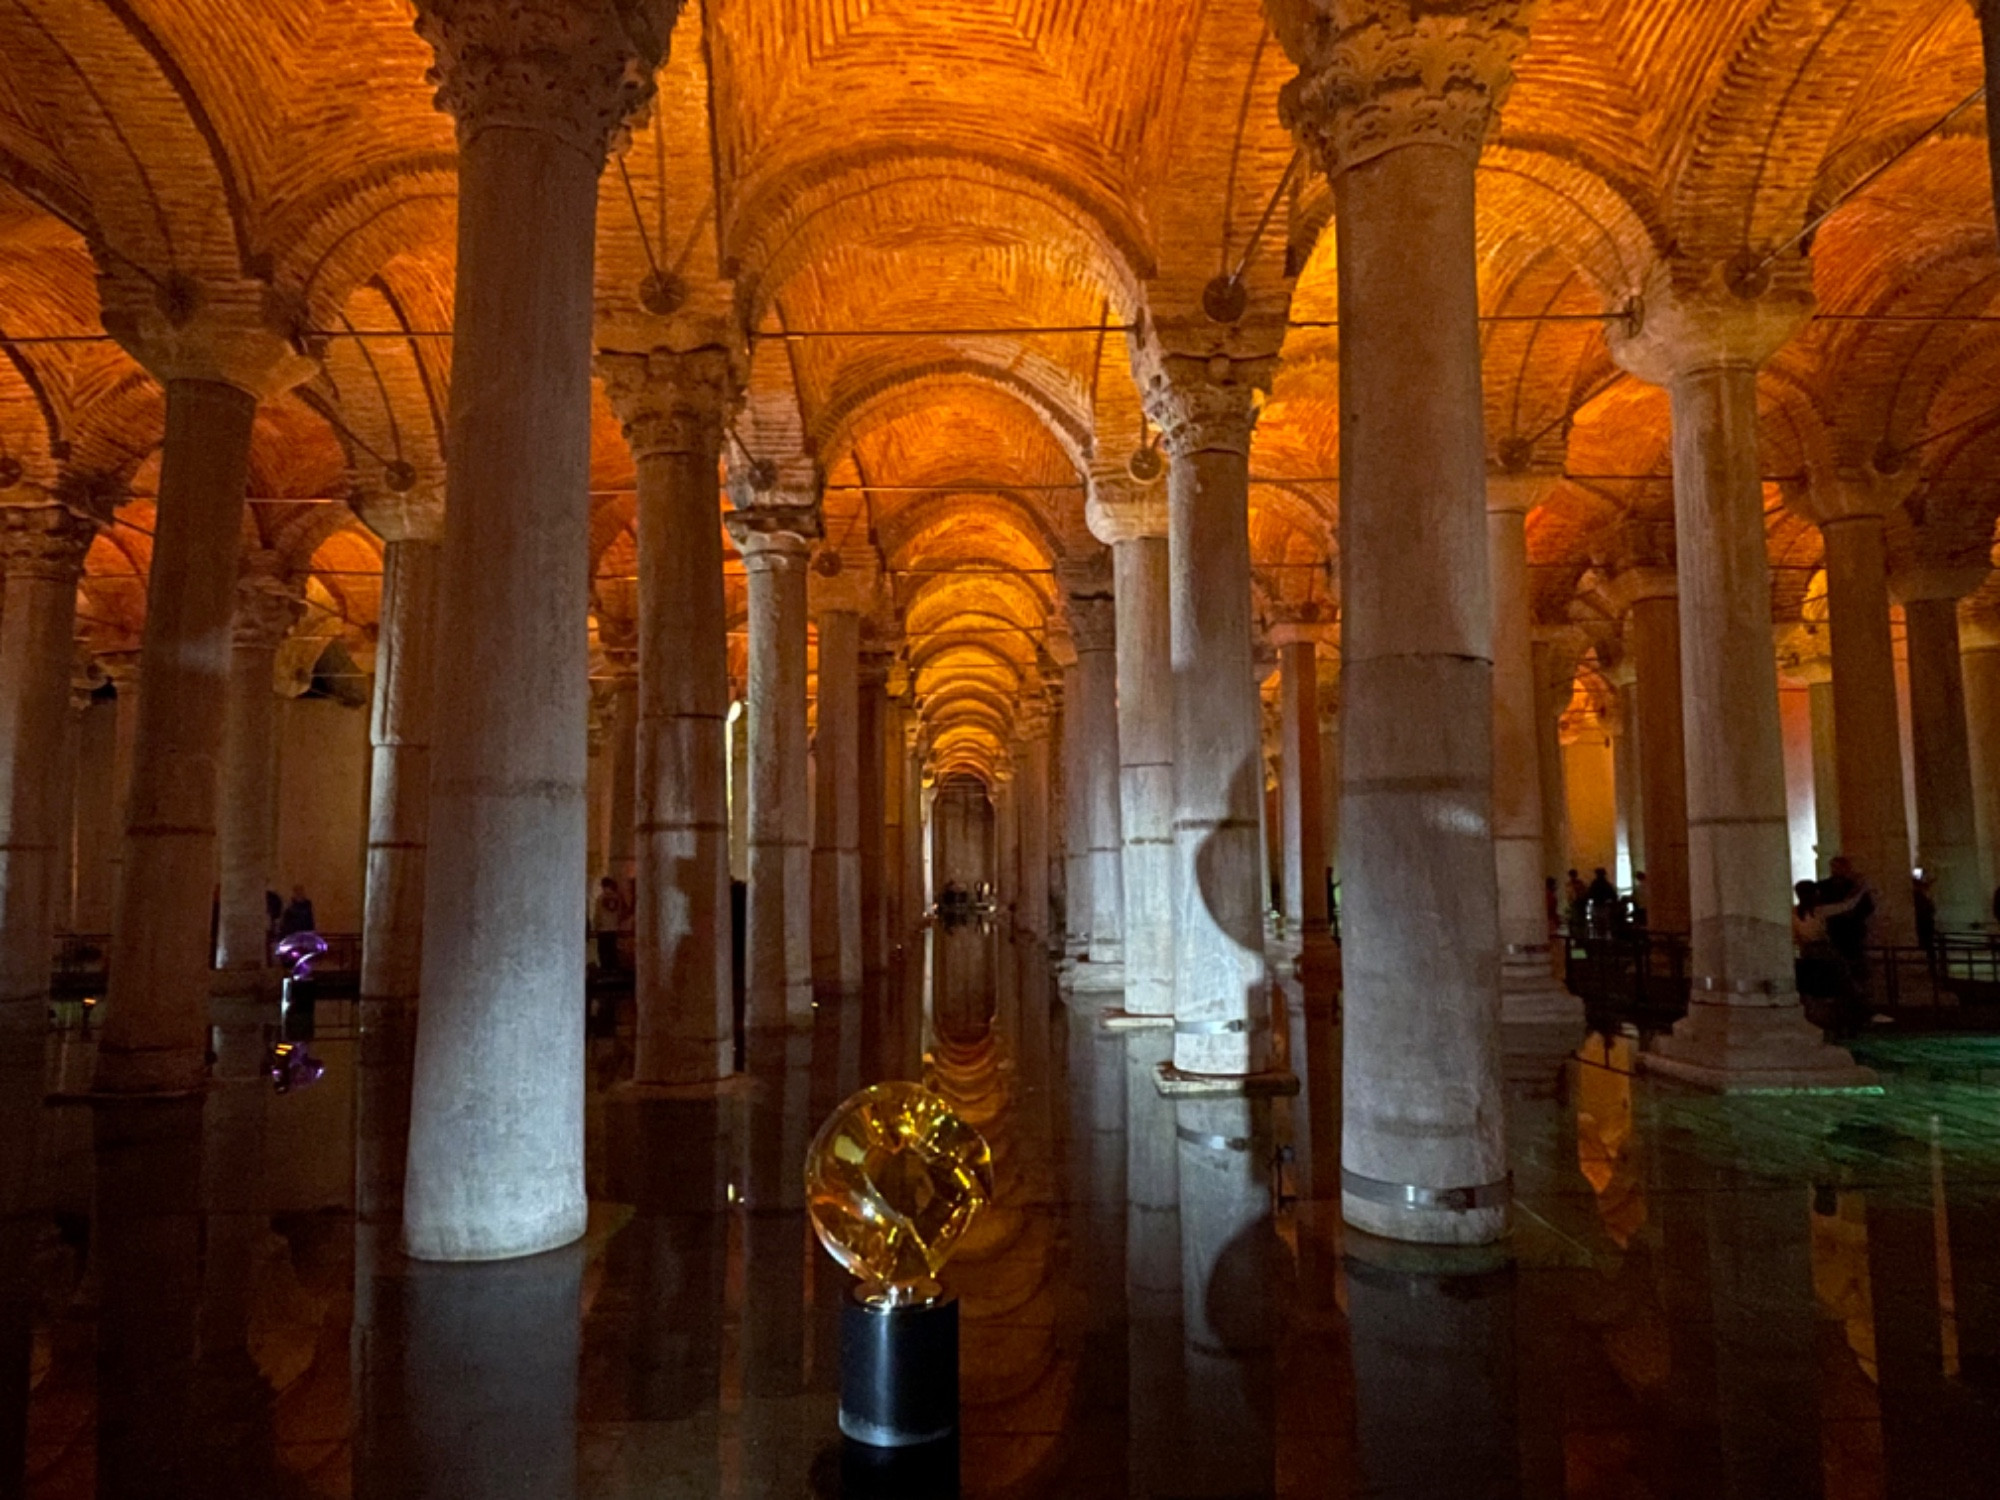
x,y
892,1181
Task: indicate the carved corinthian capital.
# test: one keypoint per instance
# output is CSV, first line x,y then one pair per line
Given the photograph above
x,y
669,401
579,70
44,542
1202,404
1378,74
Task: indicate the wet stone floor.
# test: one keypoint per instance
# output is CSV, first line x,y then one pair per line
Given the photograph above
x,y
1785,1295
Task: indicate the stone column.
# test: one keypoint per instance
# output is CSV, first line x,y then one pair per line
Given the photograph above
x,y
913,823
1528,989
1073,798
597,782
42,548
739,790
1329,780
1874,824
1703,338
216,363
1031,772
1655,641
897,919
97,823
1006,841
399,797
1132,520
1628,810
268,604
672,406
1817,673
539,88
1302,824
1979,664
1947,840
836,855
872,702
1094,710
1205,408
620,641
776,540
1423,1153
1554,680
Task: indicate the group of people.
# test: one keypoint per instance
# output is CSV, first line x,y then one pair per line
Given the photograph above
x,y
1597,908
1830,930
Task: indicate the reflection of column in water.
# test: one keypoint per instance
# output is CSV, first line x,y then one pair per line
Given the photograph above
x,y
1434,1370
1312,1046
1233,1269
1152,1269
468,1380
146,1231
21,1219
1850,1408
1101,1057
232,1426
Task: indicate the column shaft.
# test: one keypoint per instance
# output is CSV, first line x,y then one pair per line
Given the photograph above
x,y
896,917
1146,771
1075,801
913,824
1874,827
1221,1010
97,821
1304,879
392,935
1979,662
42,553
1663,786
1032,782
1422,1096
154,1036
871,700
621,858
1826,772
686,1024
778,936
836,855
1946,837
1097,714
496,1129
247,804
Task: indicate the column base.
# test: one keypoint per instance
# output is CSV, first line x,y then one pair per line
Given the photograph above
x,y
1734,1047
1095,978
1530,994
1125,1020
1276,1083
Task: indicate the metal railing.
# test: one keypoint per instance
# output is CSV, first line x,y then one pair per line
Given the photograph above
x,y
80,965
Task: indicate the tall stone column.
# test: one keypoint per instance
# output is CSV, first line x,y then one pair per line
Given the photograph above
x,y
620,641
672,405
1006,841
97,823
897,918
1302,832
216,363
871,708
1654,638
1947,838
913,821
1031,774
539,89
1423,1152
739,789
1703,339
1554,681
1072,795
776,538
1094,711
1979,664
1329,780
1625,772
1817,673
42,548
1528,989
1205,408
399,797
1131,519
836,855
268,604
1874,825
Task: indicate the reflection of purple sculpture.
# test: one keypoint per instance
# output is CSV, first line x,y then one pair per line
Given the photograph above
x,y
291,1066
298,951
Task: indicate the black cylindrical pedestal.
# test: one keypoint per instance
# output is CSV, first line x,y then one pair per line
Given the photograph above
x,y
898,1372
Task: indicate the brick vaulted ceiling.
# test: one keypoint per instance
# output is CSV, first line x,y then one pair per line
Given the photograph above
x,y
877,197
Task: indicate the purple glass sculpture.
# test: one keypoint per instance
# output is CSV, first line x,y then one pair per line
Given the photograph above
x,y
291,1066
298,951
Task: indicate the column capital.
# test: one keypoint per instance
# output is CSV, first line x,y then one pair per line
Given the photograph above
x,y
412,514
672,401
1698,315
618,639
1120,508
241,332
1312,624
1059,645
1859,492
776,529
1517,493
268,601
1938,580
1202,402
580,71
1031,719
840,586
1093,622
45,541
1377,75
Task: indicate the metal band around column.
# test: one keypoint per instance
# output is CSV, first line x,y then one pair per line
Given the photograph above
x,y
1212,1142
1235,1024
1456,1200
